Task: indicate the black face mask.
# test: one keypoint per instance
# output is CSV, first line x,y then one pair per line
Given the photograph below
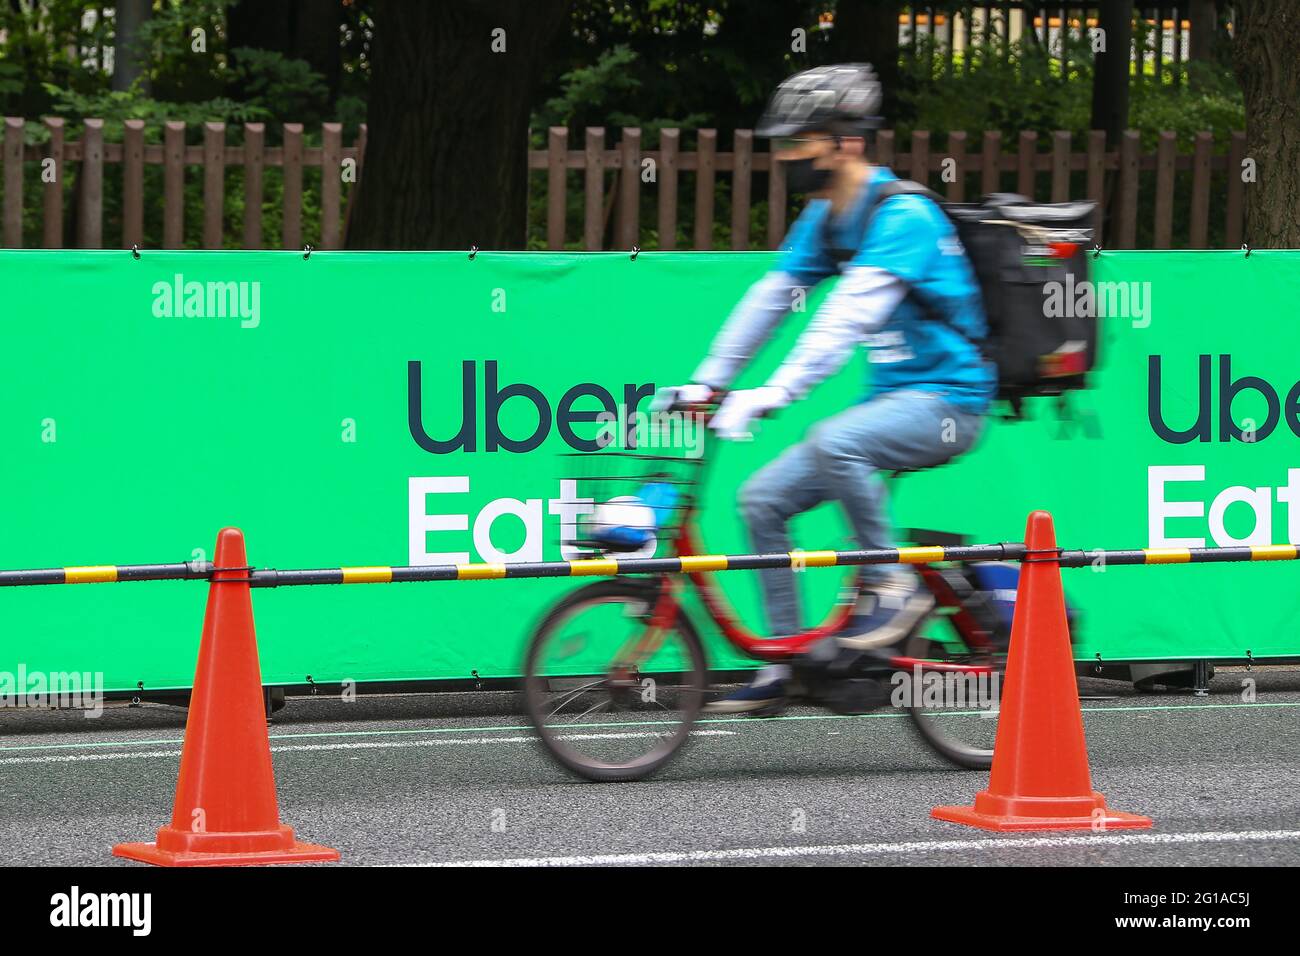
x,y
801,176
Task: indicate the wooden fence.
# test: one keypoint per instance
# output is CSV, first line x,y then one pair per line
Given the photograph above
x,y
1112,178
615,181
133,154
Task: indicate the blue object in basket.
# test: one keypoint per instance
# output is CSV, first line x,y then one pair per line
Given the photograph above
x,y
659,497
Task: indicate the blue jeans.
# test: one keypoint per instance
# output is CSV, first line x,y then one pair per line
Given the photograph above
x,y
840,460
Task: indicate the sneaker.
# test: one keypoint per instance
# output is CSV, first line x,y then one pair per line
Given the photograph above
x,y
766,696
886,613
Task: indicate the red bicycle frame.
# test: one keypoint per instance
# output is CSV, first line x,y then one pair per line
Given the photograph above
x,y
778,649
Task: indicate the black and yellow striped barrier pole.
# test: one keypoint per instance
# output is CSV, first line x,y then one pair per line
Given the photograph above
x,y
604,567
1260,552
109,573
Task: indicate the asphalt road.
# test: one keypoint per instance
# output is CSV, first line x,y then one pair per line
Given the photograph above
x,y
454,778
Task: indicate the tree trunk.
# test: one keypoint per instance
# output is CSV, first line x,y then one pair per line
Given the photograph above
x,y
1266,49
1204,22
128,59
299,29
447,123
1110,78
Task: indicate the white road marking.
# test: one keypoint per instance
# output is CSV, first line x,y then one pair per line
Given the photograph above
x,y
880,849
751,723
354,745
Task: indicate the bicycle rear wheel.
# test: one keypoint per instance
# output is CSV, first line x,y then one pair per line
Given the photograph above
x,y
956,712
611,697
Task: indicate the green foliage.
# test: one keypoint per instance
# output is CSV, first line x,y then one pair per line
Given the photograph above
x,y
595,96
350,110
280,86
11,79
113,107
677,62
1211,100
1005,87
1018,86
184,46
587,90
51,62
43,43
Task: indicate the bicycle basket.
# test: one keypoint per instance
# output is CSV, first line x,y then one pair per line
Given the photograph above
x,y
626,503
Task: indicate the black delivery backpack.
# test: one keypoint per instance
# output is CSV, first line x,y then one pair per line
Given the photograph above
x,y
1029,259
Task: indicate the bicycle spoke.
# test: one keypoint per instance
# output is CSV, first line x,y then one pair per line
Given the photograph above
x,y
577,692
596,705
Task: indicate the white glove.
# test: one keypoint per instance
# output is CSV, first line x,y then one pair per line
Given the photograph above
x,y
672,395
738,409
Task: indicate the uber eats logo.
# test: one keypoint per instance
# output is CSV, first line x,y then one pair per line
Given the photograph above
x,y
449,512
563,415
1183,500
1209,426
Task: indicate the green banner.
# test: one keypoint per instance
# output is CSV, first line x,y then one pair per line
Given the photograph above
x,y
144,404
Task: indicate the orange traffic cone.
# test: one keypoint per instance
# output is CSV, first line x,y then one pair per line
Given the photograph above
x,y
1040,778
226,812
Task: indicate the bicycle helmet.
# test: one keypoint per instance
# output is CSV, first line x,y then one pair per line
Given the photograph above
x,y
844,99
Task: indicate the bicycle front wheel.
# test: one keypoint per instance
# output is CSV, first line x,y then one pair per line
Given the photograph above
x,y
611,696
956,712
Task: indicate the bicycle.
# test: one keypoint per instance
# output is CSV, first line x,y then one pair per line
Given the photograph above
x,y
655,676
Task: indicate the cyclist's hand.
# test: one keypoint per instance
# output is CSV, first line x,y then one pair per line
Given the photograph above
x,y
733,417
672,396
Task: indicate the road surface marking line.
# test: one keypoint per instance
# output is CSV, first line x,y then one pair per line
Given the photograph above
x,y
878,849
354,745
1258,705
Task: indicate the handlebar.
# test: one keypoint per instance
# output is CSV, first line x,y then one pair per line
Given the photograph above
x,y
708,408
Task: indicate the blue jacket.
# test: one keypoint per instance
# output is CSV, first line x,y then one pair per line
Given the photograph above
x,y
908,253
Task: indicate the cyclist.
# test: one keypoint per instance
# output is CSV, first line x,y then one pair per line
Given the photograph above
x,y
908,293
